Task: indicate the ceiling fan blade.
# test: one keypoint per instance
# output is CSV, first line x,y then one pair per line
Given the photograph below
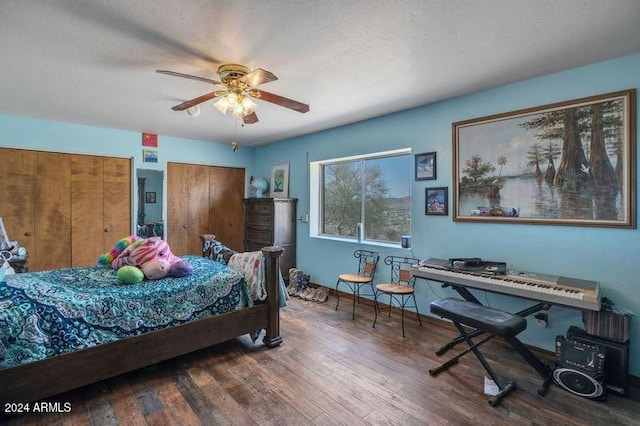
x,y
250,119
279,100
192,77
196,101
258,77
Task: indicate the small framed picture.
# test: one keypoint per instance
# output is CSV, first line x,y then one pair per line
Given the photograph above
x,y
149,156
150,139
436,201
150,197
426,166
280,180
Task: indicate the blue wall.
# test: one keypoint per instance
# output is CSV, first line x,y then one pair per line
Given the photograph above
x,y
606,255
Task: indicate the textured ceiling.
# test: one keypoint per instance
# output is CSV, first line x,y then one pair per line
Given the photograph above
x,y
93,62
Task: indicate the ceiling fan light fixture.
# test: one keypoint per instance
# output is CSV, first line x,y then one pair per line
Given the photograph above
x,y
222,105
239,84
233,99
248,104
239,105
194,111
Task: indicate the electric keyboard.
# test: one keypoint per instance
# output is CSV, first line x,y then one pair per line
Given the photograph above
x,y
572,292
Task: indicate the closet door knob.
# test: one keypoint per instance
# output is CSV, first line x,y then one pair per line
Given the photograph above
x,y
106,229
184,226
27,234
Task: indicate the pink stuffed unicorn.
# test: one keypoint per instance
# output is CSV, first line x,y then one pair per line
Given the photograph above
x,y
152,255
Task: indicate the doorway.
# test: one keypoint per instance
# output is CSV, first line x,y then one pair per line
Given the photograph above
x,y
149,219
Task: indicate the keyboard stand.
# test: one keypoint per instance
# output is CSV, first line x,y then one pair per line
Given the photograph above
x,y
495,323
468,296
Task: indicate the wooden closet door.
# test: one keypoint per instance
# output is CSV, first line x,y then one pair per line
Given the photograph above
x,y
17,168
87,232
198,207
52,242
226,190
117,201
178,208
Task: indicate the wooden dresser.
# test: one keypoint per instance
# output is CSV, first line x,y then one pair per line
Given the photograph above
x,y
271,222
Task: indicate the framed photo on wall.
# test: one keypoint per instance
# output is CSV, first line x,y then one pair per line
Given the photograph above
x,y
149,156
280,181
567,163
426,166
436,201
150,197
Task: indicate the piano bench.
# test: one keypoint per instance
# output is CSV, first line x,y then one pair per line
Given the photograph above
x,y
496,323
481,317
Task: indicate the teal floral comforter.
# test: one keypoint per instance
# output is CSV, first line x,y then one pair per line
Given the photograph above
x,y
54,312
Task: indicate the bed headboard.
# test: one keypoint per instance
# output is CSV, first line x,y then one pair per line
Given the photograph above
x,y
215,250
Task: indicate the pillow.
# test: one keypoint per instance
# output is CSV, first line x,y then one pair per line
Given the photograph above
x,y
215,250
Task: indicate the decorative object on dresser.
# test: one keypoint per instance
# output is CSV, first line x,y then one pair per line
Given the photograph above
x,y
271,222
258,186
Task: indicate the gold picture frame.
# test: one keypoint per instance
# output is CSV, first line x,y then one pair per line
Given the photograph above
x,y
568,163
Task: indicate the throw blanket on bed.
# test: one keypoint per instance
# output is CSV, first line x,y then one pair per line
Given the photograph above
x,y
251,266
49,313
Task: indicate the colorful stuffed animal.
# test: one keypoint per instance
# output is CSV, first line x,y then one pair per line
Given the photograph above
x,y
130,275
152,256
143,252
156,269
125,242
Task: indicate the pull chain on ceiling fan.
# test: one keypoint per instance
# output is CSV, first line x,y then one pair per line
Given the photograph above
x,y
239,84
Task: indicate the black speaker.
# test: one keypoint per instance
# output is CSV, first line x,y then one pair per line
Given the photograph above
x,y
580,383
580,368
616,364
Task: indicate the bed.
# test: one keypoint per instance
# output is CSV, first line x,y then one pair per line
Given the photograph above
x,y
122,343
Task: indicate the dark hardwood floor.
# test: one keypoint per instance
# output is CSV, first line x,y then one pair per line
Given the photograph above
x,y
331,370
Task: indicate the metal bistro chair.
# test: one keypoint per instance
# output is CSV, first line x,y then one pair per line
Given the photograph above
x,y
401,289
367,263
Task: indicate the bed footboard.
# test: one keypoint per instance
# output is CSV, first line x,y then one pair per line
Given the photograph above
x,y
272,260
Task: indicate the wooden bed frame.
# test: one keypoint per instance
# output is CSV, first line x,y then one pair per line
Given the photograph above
x,y
41,379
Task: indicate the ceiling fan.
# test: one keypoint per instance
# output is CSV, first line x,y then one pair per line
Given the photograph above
x,y
238,88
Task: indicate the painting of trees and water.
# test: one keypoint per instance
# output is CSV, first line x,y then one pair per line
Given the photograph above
x,y
571,163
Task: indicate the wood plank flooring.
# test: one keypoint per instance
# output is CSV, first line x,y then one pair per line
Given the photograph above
x,y
330,370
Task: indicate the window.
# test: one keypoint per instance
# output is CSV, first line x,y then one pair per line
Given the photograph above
x,y
363,198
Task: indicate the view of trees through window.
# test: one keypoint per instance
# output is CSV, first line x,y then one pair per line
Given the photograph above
x,y
375,192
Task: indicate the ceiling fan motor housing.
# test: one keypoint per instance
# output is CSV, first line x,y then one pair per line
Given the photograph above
x,y
232,72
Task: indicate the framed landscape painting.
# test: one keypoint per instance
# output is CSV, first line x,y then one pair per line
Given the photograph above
x,y
569,163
